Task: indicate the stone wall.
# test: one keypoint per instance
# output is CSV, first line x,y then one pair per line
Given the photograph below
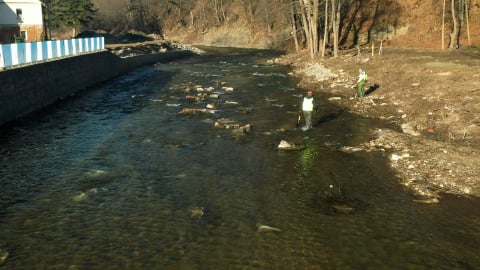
x,y
26,89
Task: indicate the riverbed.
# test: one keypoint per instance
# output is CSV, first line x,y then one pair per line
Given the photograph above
x,y
117,177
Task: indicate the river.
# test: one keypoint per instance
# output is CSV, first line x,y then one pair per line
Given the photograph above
x,y
116,178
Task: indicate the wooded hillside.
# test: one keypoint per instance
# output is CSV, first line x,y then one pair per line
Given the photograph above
x,y
321,26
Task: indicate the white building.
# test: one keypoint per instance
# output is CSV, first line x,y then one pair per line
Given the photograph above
x,y
20,19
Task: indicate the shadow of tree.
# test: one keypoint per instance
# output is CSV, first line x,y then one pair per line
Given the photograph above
x,y
377,17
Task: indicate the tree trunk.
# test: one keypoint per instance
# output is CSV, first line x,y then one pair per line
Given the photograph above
x,y
294,27
454,33
250,12
334,22
336,6
461,11
443,25
468,25
325,29
267,20
306,28
314,27
192,19
216,9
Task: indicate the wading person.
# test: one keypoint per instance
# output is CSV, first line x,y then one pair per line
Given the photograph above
x,y
308,104
362,79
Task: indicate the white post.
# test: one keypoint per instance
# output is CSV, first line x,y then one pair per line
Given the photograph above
x,y
2,63
58,44
28,52
14,47
39,50
49,50
75,46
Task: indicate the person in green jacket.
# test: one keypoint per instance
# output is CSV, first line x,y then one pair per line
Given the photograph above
x,y
362,79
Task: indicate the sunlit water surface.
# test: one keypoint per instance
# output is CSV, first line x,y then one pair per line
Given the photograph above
x,y
116,178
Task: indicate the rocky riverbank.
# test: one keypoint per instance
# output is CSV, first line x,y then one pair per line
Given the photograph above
x,y
125,50
431,96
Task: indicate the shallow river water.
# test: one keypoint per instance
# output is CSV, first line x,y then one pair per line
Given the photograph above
x,y
116,178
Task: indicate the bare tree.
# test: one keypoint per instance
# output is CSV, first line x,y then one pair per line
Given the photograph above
x,y
219,11
454,33
293,22
443,25
309,16
461,12
325,29
249,10
468,25
336,19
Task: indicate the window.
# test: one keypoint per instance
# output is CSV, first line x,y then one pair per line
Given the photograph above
x,y
24,35
19,14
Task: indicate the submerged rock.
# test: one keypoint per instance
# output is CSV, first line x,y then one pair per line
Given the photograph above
x,y
95,173
284,145
408,129
343,208
266,228
432,200
3,255
226,123
192,98
227,89
197,212
231,102
351,149
196,111
80,197
242,130
244,111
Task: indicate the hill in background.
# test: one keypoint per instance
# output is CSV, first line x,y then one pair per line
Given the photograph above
x,y
261,24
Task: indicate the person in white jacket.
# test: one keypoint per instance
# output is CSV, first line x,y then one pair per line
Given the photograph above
x,y
308,105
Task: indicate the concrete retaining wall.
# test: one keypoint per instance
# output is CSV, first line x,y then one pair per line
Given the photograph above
x,y
24,90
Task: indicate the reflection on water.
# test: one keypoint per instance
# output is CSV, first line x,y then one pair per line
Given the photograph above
x,y
116,178
306,161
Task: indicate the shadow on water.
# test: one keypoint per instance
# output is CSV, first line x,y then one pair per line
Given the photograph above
x,y
328,117
117,178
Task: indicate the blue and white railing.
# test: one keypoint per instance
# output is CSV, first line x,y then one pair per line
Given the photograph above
x,y
24,53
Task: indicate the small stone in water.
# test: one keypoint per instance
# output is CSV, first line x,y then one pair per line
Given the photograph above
x,y
196,212
80,197
266,228
3,256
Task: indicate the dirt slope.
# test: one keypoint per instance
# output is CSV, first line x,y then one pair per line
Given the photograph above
x,y
424,22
